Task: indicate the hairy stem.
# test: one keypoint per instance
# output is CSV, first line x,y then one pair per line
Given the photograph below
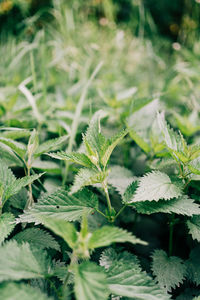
x,y
105,187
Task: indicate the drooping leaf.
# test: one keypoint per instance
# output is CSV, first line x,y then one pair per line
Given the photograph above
x,y
86,177
6,225
38,238
78,158
21,262
62,228
155,186
194,227
90,282
17,147
126,278
16,291
169,271
181,206
107,235
50,145
61,205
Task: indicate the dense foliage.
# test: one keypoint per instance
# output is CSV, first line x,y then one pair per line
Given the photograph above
x,y
99,163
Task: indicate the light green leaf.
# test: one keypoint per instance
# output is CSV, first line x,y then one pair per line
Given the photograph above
x,y
62,228
120,178
194,227
87,177
17,147
194,166
32,145
78,158
61,205
50,145
155,186
15,291
125,277
14,133
180,206
21,262
90,282
9,185
140,141
171,139
6,225
107,235
110,145
169,271
37,237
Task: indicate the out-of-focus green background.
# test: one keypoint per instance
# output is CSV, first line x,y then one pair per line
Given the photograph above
x,y
176,20
148,49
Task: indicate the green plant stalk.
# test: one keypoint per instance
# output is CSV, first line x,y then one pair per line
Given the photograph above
x,y
30,200
105,188
171,231
32,63
77,117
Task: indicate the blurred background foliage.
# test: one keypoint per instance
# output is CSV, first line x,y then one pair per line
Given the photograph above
x,y
177,20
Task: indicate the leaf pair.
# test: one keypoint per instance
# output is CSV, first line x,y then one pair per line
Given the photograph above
x,y
98,151
9,185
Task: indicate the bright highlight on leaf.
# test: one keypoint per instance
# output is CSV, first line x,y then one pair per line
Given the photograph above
x,y
169,271
155,186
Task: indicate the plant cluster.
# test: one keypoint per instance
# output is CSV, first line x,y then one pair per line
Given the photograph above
x,y
99,178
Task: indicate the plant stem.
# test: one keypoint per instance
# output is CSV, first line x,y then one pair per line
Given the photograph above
x,y
120,211
105,187
30,196
77,115
171,231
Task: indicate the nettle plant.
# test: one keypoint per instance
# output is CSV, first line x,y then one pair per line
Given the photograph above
x,y
49,251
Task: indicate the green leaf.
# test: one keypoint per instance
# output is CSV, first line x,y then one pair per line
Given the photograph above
x,y
38,238
15,291
90,282
140,141
194,166
87,177
194,227
21,262
6,225
126,278
107,235
169,271
61,205
50,145
32,146
17,147
180,206
78,158
120,178
193,266
9,185
155,186
14,133
93,136
110,146
22,182
62,228
171,139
